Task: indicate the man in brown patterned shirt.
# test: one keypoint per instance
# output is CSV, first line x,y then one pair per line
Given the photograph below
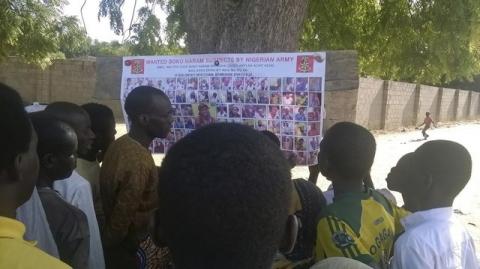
x,y
128,177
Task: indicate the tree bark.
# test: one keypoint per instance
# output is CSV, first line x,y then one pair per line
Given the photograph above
x,y
236,26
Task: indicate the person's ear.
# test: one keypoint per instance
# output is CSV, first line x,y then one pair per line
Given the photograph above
x,y
427,181
48,161
324,166
14,172
290,235
143,119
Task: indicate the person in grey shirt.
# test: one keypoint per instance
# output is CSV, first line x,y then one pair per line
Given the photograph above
x,y
57,144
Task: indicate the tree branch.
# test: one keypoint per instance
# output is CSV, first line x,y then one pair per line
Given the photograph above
x,y
131,22
83,19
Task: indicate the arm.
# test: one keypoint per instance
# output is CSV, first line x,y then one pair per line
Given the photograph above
x,y
314,172
79,250
128,201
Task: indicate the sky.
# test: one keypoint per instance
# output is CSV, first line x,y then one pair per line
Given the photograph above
x,y
101,29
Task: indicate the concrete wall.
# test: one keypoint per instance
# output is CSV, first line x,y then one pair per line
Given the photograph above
x,y
427,102
370,103
400,105
463,105
447,109
373,103
28,79
340,106
474,105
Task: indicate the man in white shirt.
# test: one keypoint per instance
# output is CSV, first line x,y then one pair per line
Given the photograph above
x,y
77,190
433,237
32,214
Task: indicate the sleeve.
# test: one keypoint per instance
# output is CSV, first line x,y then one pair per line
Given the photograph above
x,y
398,214
335,238
407,256
128,201
76,249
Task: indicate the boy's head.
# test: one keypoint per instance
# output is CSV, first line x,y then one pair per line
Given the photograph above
x,y
18,156
405,168
224,194
57,146
149,110
346,152
273,137
78,119
427,114
443,168
103,126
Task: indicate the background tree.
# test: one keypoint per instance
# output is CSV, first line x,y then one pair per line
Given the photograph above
x,y
113,48
225,26
26,29
425,41
71,38
37,32
243,26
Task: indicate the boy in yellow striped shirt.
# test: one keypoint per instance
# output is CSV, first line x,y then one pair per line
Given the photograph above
x,y
360,223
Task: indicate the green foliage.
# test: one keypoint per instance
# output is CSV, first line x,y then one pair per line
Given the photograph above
x,y
26,29
175,29
113,48
146,39
37,32
72,40
113,10
145,35
423,41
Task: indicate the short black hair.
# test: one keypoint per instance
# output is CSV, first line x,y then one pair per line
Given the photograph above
x,y
350,149
52,133
448,162
139,101
16,132
100,115
65,111
273,137
224,193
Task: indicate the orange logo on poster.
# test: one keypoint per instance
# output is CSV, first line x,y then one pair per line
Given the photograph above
x,y
305,64
137,66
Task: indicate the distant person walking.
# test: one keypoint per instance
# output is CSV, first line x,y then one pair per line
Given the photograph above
x,y
428,121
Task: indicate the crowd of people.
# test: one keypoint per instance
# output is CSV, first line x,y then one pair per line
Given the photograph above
x,y
71,196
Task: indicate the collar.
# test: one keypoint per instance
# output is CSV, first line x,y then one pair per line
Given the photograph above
x,y
84,162
365,194
11,228
129,138
417,218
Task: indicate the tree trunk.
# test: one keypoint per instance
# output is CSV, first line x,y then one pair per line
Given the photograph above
x,y
236,26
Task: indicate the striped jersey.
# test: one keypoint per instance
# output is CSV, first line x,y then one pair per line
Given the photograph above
x,y
361,226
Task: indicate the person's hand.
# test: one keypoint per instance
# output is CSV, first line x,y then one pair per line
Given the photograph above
x,y
292,160
314,172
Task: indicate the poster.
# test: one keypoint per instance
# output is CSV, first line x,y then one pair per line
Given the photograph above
x,y
279,92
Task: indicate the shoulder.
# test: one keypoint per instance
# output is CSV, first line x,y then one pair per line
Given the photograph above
x,y
126,152
72,186
14,252
424,236
61,210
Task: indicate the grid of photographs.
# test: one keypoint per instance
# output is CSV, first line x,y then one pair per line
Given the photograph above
x,y
290,107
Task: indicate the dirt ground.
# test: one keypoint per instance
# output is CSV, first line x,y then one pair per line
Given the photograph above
x,y
391,146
